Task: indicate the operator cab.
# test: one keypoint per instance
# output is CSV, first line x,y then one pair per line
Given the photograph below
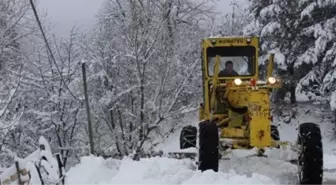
x,y
234,61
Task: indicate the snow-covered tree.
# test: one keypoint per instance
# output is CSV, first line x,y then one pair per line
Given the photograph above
x,y
275,23
54,94
143,69
233,23
302,35
318,20
13,30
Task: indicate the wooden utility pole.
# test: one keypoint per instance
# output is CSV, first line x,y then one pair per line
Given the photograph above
x,y
88,109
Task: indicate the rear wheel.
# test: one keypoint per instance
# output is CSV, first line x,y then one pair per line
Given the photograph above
x,y
188,137
310,161
275,133
208,146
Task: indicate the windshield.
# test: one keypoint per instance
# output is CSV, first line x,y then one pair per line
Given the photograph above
x,y
234,61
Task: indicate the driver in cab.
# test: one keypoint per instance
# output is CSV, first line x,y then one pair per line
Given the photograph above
x,y
228,71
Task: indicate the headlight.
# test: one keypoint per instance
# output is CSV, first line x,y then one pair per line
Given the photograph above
x,y
271,80
248,40
237,81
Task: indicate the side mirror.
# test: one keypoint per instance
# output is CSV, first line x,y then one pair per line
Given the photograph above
x,y
270,65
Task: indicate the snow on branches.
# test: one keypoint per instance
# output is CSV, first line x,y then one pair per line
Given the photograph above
x,y
303,33
148,75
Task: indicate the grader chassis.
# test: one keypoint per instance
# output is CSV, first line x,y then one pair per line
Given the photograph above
x,y
235,113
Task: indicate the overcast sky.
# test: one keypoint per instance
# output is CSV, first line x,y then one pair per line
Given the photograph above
x,y
64,14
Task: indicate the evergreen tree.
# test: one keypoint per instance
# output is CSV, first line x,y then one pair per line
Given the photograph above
x,y
274,22
317,20
300,33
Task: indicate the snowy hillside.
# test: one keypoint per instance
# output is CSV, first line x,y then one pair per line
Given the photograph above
x,y
95,170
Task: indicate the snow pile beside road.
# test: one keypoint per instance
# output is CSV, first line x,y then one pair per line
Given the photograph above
x,y
92,170
95,170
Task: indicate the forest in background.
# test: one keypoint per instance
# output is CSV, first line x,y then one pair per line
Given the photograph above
x,y
143,70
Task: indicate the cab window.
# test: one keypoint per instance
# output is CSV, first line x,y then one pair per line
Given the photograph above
x,y
234,61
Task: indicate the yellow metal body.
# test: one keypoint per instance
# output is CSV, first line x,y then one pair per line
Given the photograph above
x,y
245,117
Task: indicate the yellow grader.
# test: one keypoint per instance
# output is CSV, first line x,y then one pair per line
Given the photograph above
x,y
236,111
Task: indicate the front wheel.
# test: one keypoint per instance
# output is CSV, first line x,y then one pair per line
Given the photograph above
x,y
310,161
208,146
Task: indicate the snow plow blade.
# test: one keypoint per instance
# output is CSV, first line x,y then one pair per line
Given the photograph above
x,y
182,155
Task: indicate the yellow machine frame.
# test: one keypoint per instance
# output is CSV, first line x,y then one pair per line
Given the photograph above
x,y
236,114
251,93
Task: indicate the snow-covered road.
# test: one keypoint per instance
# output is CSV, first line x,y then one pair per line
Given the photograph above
x,y
95,170
157,170
253,170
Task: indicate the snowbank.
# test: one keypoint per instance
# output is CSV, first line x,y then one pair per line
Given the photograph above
x,y
27,165
330,168
330,161
92,170
95,170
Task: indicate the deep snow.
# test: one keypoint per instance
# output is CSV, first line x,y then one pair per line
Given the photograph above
x,y
94,170
238,170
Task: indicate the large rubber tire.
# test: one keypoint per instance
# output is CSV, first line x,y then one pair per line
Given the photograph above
x,y
310,160
208,146
188,137
275,133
